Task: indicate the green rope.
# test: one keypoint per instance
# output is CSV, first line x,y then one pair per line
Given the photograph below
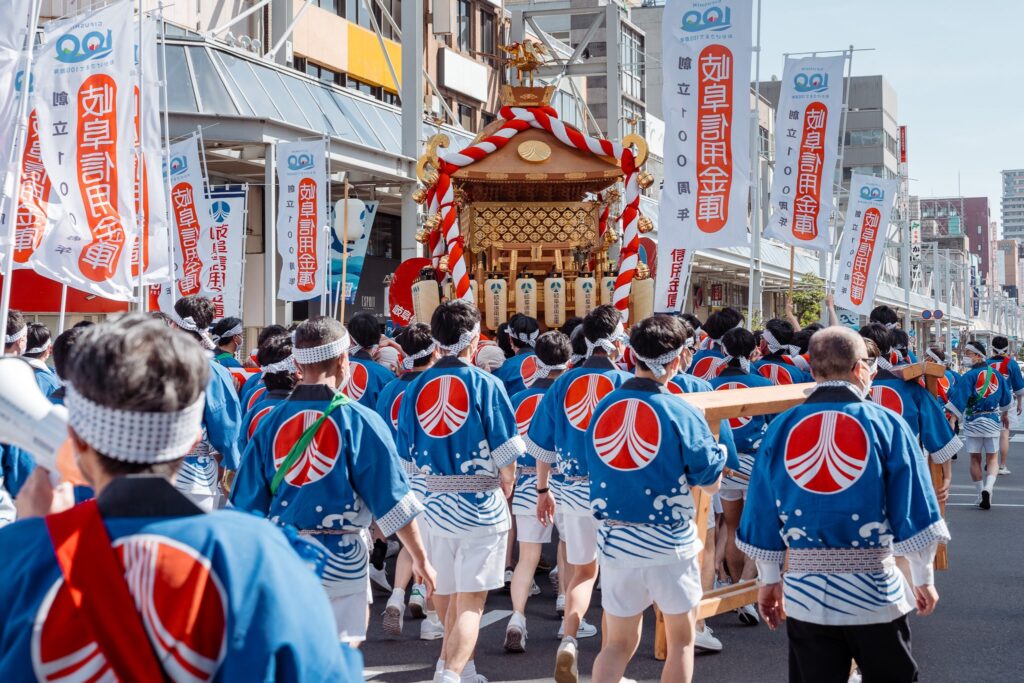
x,y
300,446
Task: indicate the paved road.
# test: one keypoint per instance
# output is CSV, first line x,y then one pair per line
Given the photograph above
x,y
974,635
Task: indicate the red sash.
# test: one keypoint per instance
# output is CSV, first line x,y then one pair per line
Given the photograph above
x,y
95,579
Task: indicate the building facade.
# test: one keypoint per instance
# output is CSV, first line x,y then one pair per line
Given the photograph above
x,y
1013,204
1008,273
968,216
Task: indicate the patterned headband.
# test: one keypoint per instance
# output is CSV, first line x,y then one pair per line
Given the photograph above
x,y
39,349
657,365
465,339
528,339
16,337
318,354
971,346
409,362
233,332
283,365
606,343
543,369
135,436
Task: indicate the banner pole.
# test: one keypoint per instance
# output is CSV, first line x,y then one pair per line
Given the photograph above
x,y
245,223
14,162
142,239
830,266
325,231
63,309
344,257
172,227
792,269
755,287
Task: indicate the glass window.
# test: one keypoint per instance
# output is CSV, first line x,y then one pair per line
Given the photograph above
x,y
211,89
466,116
631,56
464,23
290,111
342,127
488,39
349,106
241,72
864,137
180,97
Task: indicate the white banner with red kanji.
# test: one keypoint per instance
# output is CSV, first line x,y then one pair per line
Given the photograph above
x,y
14,23
864,239
190,211
84,101
806,151
223,249
302,218
706,100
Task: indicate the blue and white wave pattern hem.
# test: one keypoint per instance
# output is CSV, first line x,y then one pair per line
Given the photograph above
x,y
646,545
847,599
524,500
467,514
346,562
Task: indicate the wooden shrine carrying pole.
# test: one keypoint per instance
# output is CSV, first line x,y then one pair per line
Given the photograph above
x,y
932,372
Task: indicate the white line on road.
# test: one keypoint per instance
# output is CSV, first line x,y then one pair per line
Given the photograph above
x,y
995,505
494,616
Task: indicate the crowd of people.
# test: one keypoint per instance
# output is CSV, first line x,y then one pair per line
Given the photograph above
x,y
215,483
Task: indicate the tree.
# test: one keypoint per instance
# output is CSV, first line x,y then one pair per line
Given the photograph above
x,y
808,297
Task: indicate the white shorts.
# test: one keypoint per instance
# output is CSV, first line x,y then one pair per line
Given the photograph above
x,y
982,444
468,565
350,614
580,538
560,525
530,530
674,587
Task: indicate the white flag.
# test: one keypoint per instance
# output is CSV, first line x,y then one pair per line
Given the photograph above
x,y
84,101
864,239
191,212
806,149
14,22
706,96
224,244
302,218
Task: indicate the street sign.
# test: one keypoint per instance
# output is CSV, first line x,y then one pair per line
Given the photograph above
x,y
927,315
938,315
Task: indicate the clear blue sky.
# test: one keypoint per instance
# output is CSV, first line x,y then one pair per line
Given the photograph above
x,y
956,69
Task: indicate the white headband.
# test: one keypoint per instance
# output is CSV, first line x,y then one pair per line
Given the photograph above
x,y
528,339
657,365
318,354
135,436
744,362
284,365
576,358
410,361
934,356
689,343
356,348
884,363
891,326
39,349
970,346
189,325
1000,348
773,344
543,369
234,331
606,343
465,339
16,337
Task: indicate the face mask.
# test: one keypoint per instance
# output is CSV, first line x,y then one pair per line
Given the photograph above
x,y
967,362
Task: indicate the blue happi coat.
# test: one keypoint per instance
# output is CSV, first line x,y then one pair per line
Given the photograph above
x,y
706,362
261,408
348,475
227,599
924,416
457,427
15,466
559,427
252,384
366,379
524,404
1010,370
389,405
46,378
978,400
516,373
645,448
842,484
222,421
683,383
778,371
227,360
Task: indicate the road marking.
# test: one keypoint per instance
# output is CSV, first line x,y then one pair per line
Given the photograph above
x,y
494,616
1017,438
995,505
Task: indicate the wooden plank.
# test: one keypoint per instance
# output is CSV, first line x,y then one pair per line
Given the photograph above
x,y
725,405
913,371
941,554
728,599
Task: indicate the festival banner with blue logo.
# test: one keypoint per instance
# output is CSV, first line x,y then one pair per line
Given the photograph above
x,y
302,219
223,249
190,211
806,151
84,100
367,211
864,240
14,22
706,100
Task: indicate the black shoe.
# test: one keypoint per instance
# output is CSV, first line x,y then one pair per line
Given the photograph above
x,y
986,500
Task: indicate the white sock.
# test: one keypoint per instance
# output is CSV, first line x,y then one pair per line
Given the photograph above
x,y
469,671
450,676
432,616
517,619
990,482
439,667
397,597
978,486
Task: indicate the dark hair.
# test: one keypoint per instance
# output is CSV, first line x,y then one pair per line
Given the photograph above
x,y
503,340
318,331
222,327
161,316
656,336
601,322
814,327
133,362
365,330
878,333
781,329
578,341
451,319
872,348
720,322
738,343
802,339
275,350
15,321
199,308
413,339
692,320
980,344
38,334
998,343
941,353
884,315
270,331
571,324
553,348
62,348
89,323
900,339
521,326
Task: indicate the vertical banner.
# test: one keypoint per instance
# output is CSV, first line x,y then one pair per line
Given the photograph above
x,y
14,22
864,240
301,218
706,96
84,103
806,151
223,249
191,213
356,250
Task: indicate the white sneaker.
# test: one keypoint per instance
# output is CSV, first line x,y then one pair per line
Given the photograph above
x,y
560,605
417,601
706,640
515,634
553,577
431,628
748,615
586,629
393,548
508,578
565,662
534,589
1004,470
394,617
473,678
380,577
855,677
